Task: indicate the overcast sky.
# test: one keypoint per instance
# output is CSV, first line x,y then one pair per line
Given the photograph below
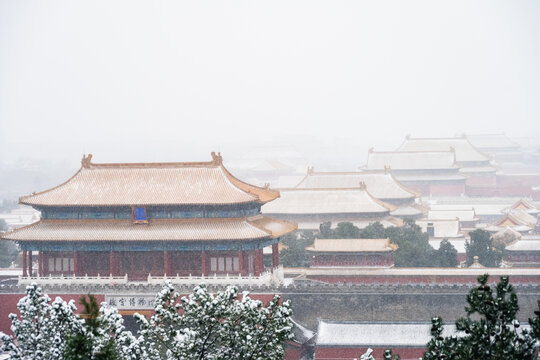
x,y
152,80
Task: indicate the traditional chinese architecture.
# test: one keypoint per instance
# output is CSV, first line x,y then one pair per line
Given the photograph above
x,y
351,339
519,220
430,172
466,216
380,183
474,164
498,146
154,219
352,253
311,207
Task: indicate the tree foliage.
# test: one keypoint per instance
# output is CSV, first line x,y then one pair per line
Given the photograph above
x,y
203,326
489,331
413,250
483,246
200,326
295,254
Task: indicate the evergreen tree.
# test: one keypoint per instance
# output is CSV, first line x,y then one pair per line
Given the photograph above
x,y
325,230
482,245
8,249
489,331
295,254
346,230
446,255
203,326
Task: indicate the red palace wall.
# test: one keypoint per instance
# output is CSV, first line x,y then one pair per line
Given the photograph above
x,y
349,353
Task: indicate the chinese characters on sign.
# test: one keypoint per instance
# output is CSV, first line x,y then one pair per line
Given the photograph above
x,y
130,302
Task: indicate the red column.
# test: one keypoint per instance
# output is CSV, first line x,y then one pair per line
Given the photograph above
x,y
76,263
40,263
166,269
24,273
112,263
30,272
259,266
241,262
203,263
275,255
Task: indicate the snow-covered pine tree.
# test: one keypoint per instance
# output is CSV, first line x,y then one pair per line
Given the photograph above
x,y
41,330
489,331
44,329
204,326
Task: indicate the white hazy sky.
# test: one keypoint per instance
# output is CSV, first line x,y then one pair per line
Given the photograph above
x,y
125,79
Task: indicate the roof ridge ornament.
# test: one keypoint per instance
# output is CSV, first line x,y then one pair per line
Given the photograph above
x,y
216,158
363,185
371,150
386,169
310,170
86,161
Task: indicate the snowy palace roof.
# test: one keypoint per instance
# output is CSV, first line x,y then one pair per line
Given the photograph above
x,y
256,227
326,201
351,245
465,151
492,141
189,183
376,334
411,160
380,184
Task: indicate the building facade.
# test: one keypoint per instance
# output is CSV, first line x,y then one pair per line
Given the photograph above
x,y
150,219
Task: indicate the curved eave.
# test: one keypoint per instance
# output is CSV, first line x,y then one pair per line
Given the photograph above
x,y
200,229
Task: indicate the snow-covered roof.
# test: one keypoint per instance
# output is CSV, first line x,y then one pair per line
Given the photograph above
x,y
464,150
518,218
525,205
351,245
376,334
442,228
326,201
257,227
492,142
462,214
406,211
411,160
151,184
380,184
524,245
359,223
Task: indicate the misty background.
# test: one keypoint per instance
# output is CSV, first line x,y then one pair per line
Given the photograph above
x,y
322,81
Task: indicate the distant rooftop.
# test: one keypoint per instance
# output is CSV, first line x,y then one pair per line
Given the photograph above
x,y
465,151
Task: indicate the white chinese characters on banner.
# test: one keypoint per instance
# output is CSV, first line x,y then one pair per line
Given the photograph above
x,y
130,302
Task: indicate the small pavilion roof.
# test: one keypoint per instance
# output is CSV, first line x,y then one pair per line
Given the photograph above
x,y
327,201
351,245
411,160
143,184
465,151
193,229
381,184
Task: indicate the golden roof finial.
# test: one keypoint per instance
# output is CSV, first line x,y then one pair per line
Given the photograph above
x,y
86,161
